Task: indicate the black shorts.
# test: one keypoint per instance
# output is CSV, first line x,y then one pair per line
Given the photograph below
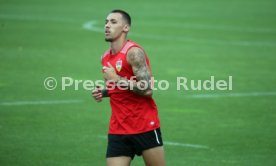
x,y
133,144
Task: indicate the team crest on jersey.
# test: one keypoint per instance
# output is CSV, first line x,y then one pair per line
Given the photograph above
x,y
119,64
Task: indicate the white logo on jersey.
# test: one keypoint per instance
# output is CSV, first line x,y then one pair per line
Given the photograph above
x,y
119,65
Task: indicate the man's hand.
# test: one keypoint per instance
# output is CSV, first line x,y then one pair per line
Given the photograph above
x,y
97,94
110,73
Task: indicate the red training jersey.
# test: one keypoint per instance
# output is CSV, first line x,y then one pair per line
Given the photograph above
x,y
131,113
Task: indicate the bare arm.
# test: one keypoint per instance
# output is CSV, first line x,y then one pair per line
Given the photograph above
x,y
137,59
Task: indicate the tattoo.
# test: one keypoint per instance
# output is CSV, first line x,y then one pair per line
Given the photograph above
x,y
105,93
137,59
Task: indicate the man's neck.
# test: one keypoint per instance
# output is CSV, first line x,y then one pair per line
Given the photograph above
x,y
117,45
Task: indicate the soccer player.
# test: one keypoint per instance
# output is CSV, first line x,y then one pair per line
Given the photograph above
x,y
134,127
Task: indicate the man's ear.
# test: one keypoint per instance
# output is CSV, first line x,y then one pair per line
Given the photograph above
x,y
126,28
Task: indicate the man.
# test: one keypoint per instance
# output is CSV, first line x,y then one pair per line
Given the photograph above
x,y
134,127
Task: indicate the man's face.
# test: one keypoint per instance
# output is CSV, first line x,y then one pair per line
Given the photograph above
x,y
114,27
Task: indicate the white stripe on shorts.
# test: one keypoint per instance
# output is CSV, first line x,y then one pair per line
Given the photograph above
x,y
156,137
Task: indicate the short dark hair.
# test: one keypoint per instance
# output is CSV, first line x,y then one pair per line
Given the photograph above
x,y
125,15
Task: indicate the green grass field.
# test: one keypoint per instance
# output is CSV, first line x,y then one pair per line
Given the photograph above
x,y
195,39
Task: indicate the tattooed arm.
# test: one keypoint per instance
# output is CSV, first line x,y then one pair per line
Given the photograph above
x,y
137,59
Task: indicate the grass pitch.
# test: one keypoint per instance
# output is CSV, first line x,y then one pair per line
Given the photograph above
x,y
193,39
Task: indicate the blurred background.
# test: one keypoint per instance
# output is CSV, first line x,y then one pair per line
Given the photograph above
x,y
193,39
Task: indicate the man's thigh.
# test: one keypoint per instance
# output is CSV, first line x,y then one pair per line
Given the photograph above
x,y
118,161
154,156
